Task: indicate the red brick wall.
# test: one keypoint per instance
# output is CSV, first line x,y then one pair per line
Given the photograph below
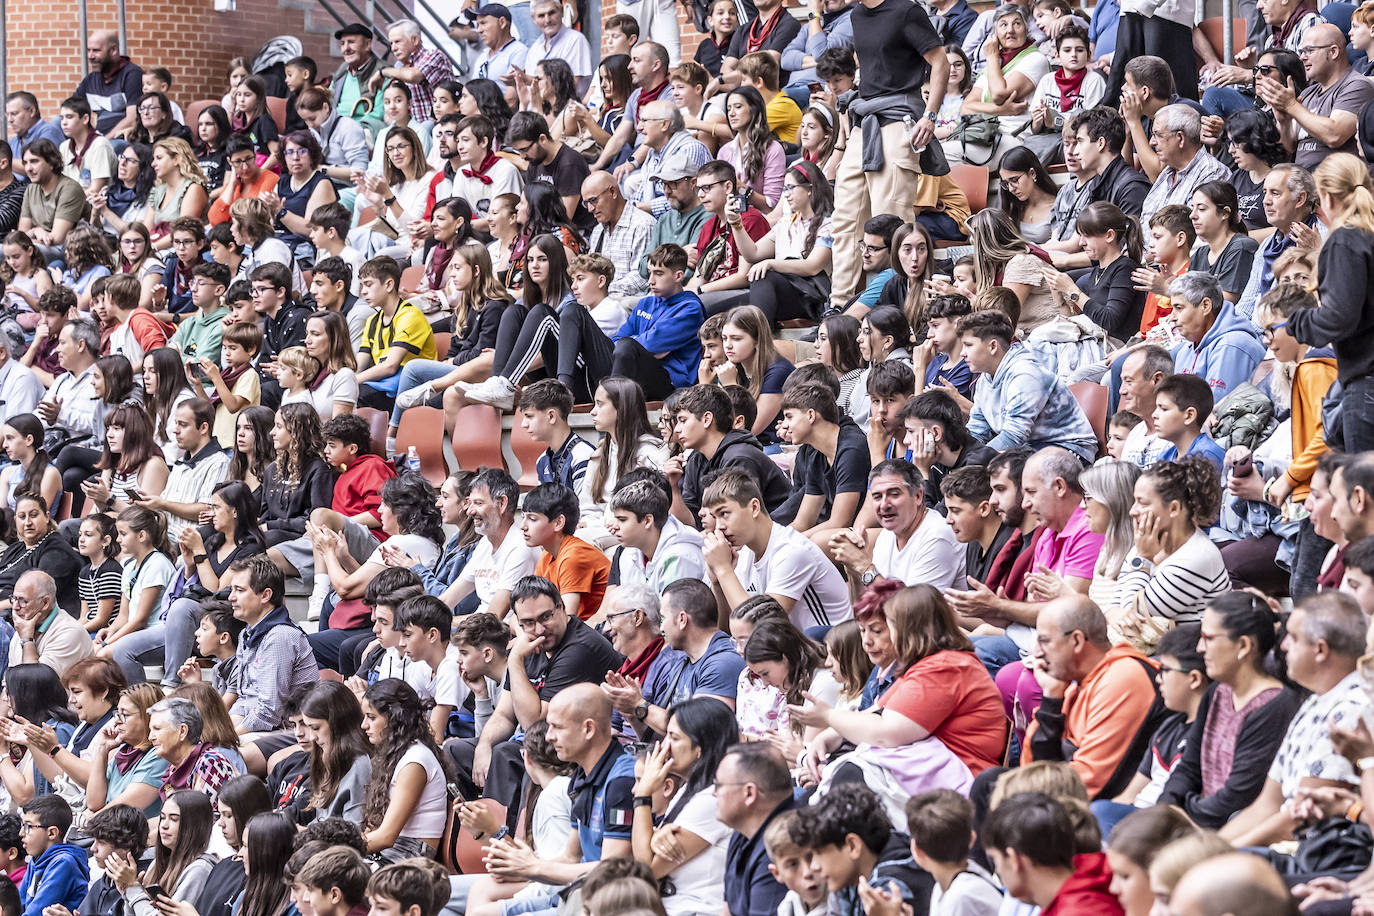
x,y
690,36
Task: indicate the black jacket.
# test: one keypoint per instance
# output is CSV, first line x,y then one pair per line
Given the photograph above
x,y
739,449
286,508
55,557
1122,185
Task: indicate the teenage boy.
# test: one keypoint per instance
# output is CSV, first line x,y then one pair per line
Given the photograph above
x,y
217,637
283,319
333,883
580,571
117,831
87,157
1359,573
793,866
712,348
483,175
657,548
381,656
329,225
939,362
544,410
592,275
425,624
334,285
703,427
720,276
937,440
199,334
483,643
831,466
1182,404
968,510
657,344
773,559
236,386
403,889
58,872
551,162
940,824
396,333
137,331
890,385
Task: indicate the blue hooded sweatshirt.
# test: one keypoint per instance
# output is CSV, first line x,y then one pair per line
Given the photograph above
x,y
669,326
61,875
1227,355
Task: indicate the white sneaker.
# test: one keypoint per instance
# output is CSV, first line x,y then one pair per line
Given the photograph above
x,y
497,391
415,396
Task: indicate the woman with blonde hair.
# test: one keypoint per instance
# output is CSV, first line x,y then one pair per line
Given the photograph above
x,y
1002,258
179,191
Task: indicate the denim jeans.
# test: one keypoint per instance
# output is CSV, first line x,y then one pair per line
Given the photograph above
x,y
170,642
995,652
1109,814
1224,101
1357,415
414,374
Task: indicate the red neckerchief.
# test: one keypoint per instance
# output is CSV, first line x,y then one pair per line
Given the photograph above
x,y
319,379
646,96
481,171
438,263
639,667
77,157
1282,32
1070,87
1006,57
756,36
230,377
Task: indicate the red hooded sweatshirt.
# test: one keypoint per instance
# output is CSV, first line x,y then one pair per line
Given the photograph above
x,y
1087,893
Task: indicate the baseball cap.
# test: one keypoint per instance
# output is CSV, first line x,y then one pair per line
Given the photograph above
x,y
354,28
498,10
677,167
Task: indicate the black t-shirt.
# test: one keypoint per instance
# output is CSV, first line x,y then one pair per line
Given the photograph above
x,y
977,562
582,657
289,784
777,40
223,885
710,55
1250,194
891,40
566,173
1113,301
848,474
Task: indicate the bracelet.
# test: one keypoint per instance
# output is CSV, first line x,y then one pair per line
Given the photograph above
x,y
57,748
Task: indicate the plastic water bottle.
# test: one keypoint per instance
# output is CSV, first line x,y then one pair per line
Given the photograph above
x,y
412,460
909,123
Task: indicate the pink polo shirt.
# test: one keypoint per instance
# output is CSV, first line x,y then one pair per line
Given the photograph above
x,y
1071,552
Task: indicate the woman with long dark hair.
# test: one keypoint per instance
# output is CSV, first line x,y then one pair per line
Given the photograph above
x,y
299,480
240,800
540,212
1106,293
268,838
755,153
253,449
410,517
485,97
181,863
32,471
399,195
789,268
752,361
837,346
340,755
234,536
131,462
628,439
125,199
913,263
407,798
34,693
553,87
164,389
1027,193
1225,250
37,544
781,663
596,127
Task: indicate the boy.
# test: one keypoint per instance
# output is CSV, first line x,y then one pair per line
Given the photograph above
x,y
12,861
396,333
283,318
334,286
403,889
483,642
199,335
217,638
657,345
329,225
425,624
580,571
1030,840
137,331
159,79
53,308
967,496
544,410
117,831
1359,573
238,299
382,658
760,71
836,68
712,349
333,883
890,385
937,440
831,466
237,386
288,779
173,296
940,824
58,872
773,559
999,299
481,176
939,362
592,275
744,410
1182,403
1118,431
1171,242
794,868
658,549
298,73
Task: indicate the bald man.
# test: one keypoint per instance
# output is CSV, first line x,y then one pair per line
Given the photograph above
x,y
1097,698
602,795
113,86
621,233
1236,884
1323,119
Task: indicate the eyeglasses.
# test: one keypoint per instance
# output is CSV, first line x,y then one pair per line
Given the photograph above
x,y
130,160
16,601
524,151
257,291
621,613
789,188
149,109
1309,51
1267,333
295,152
704,189
1164,669
396,148
542,620
874,249
243,162
592,201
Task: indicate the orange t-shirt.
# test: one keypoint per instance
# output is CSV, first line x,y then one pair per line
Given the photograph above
x,y
267,181
951,695
578,569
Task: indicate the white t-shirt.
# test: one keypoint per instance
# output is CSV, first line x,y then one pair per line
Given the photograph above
x,y
431,814
932,555
700,891
393,664
796,568
421,548
337,386
552,820
154,572
494,572
973,892
446,685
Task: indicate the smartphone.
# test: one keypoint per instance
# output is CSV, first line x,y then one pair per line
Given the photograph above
x,y
155,891
815,86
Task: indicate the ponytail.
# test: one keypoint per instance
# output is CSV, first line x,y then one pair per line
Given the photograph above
x,y
1101,217
1342,176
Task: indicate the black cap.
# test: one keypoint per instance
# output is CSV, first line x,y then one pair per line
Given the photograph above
x,y
498,10
355,28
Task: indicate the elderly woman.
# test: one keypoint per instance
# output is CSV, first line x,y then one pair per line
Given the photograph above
x,y
126,769
174,727
1218,344
93,688
1014,67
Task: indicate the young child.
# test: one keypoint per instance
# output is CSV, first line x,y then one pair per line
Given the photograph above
x,y
27,280
159,79
142,535
236,386
482,641
217,639
329,234
1182,404
1170,244
298,73
580,571
962,276
712,348
940,360
794,868
58,872
940,824
425,624
296,371
592,275
1118,429
1074,87
99,580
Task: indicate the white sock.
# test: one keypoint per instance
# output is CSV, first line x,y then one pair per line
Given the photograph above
x,y
391,446
318,594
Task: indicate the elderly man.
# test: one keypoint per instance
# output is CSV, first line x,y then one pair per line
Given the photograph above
x,y
1290,206
43,632
668,147
621,234
634,622
649,73
753,786
20,389
175,726
1176,138
26,123
558,41
71,402
1141,373
1323,119
501,52
113,86
1218,344
420,68
352,82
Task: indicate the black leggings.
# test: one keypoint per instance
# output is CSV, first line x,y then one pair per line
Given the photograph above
x,y
784,297
572,344
76,463
631,360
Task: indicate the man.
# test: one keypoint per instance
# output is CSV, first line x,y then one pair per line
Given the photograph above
x,y
87,158
680,224
420,68
1099,174
71,402
1234,883
974,521
1142,372
1217,344
352,82
192,479
501,53
772,29
113,85
621,234
274,657
1290,206
1176,138
706,663
12,189
1323,119
20,389
876,260
914,545
343,140
501,558
558,41
657,549
753,786
43,632
1029,405
898,52
634,624
668,147
828,25
1007,576
482,175
1324,643
551,162
1053,497
53,203
716,275
649,74
26,123
773,559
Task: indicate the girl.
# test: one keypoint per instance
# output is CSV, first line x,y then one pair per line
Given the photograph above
x,y
136,255
99,581
1002,258
627,437
407,798
837,346
1062,93
1014,67
181,863
340,756
38,546
164,388
125,769
1256,148
302,187
1027,193
253,448
486,97
782,664
1107,292
240,800
268,839
180,190
1225,252
789,268
212,133
252,119
1131,848
957,88
296,372
33,693
28,279
539,212
504,231
755,153
238,71
398,194
597,126
817,138
397,115
847,663
752,361
299,480
147,571
32,472
884,334
334,388
125,199
131,464
88,257
912,269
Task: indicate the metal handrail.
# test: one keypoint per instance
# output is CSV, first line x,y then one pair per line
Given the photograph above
x,y
405,14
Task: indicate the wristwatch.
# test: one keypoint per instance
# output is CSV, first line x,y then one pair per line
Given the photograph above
x,y
869,578
931,116
642,711
200,558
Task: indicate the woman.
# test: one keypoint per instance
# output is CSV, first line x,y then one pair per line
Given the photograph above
x,y
755,153
181,864
627,437
340,756
327,339
789,268
782,664
240,800
1002,258
1027,194
302,187
1106,293
253,448
934,656
268,839
396,112
1256,148
837,346
32,471
409,513
126,769
39,546
912,266
450,228
250,225
817,136
596,126
1014,67
131,463
486,97
234,536
699,733
406,807
1243,717
125,199
212,133
164,389
93,687
1108,494
398,194
957,88
300,480
192,762
540,212
551,92
753,362
1132,846
884,334
180,190
33,693
252,119
156,121
1224,250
